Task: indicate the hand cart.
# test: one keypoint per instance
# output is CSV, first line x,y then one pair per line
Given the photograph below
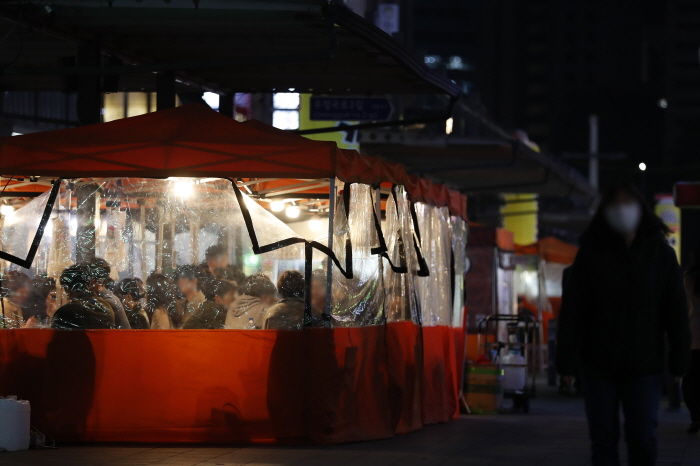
x,y
517,335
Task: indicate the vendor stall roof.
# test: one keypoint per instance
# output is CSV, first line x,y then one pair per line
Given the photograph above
x,y
550,249
477,166
193,140
225,46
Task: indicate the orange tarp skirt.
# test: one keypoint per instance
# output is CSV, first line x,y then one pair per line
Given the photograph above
x,y
222,386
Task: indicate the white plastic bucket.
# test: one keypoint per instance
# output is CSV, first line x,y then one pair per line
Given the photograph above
x,y
14,424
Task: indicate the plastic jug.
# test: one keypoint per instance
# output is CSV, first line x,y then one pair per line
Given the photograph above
x,y
14,424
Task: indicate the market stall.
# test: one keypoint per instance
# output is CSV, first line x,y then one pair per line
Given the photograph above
x,y
538,281
489,284
372,349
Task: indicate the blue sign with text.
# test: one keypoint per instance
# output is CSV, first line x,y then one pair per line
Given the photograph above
x,y
350,108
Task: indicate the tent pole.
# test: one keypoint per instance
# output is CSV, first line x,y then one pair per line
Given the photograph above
x,y
329,271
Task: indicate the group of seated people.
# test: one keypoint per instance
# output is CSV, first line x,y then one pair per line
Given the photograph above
x,y
212,295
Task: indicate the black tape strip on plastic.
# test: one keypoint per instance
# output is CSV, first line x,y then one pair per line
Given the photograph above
x,y
27,261
423,270
257,249
383,250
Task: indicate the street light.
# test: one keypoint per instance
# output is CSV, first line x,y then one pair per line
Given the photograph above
x,y
642,166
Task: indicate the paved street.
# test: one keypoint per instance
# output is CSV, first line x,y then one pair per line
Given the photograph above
x,y
553,434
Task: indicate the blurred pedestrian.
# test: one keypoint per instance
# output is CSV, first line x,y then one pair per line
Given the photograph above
x,y
624,299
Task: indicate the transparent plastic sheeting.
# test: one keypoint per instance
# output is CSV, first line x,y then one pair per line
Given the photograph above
x,y
357,301
458,234
153,237
401,299
435,290
176,254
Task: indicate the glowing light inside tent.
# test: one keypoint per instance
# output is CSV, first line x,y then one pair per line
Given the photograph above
x,y
316,224
292,211
277,206
182,187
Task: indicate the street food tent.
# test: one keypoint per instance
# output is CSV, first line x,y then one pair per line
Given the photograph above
x,y
117,192
538,277
539,270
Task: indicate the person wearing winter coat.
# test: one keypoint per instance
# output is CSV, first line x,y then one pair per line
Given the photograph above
x,y
248,311
288,314
623,301
691,382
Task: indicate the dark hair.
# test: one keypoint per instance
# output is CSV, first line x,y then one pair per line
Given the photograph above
x,y
290,284
188,272
259,285
131,287
13,281
160,291
42,286
211,288
230,273
76,279
214,251
600,233
100,269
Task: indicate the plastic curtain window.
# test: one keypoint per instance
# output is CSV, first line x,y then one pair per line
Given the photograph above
x,y
168,248
458,234
435,290
357,301
401,301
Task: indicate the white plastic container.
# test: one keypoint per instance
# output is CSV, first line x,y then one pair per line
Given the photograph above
x,y
514,371
14,424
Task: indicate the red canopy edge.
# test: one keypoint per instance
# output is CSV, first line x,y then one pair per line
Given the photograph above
x,y
193,140
551,250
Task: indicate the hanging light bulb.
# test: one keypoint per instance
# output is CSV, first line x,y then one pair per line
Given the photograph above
x,y
6,210
8,214
292,211
277,206
182,187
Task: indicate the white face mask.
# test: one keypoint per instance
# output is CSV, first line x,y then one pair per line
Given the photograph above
x,y
624,218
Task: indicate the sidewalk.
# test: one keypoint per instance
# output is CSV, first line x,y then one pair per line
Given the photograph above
x,y
554,433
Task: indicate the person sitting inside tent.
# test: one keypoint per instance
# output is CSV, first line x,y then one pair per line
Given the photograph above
x,y
288,314
41,304
100,271
215,257
187,283
132,292
83,311
161,295
249,309
14,293
211,314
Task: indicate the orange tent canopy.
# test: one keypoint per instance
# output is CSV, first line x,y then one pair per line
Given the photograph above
x,y
551,250
193,140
